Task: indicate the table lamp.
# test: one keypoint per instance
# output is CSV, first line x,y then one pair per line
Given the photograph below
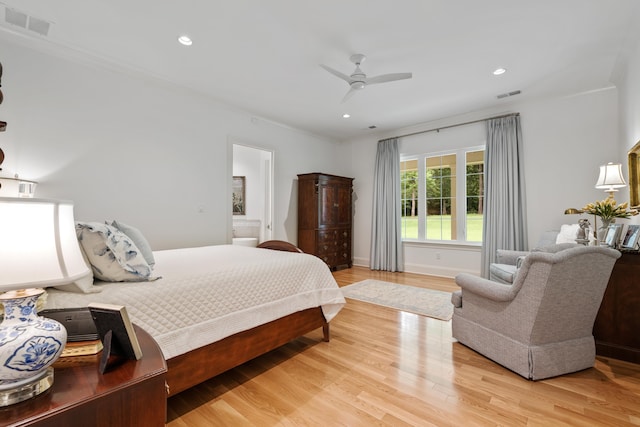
x,y
38,248
610,178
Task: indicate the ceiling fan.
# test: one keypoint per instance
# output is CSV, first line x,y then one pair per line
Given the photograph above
x,y
358,80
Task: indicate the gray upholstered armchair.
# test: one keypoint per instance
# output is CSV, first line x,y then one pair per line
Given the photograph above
x,y
541,326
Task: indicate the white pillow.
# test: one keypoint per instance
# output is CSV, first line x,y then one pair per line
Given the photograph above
x,y
568,233
112,254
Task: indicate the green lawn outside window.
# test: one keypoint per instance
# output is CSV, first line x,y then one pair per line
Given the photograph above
x,y
434,222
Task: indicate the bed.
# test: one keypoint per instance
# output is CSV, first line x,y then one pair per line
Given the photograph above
x,y
217,307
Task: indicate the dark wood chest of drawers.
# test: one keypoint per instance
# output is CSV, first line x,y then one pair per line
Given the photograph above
x,y
617,326
325,217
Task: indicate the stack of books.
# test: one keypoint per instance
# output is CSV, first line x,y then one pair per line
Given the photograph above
x,y
82,348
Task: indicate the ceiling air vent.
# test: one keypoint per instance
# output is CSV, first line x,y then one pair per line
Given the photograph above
x,y
505,95
16,17
39,26
30,23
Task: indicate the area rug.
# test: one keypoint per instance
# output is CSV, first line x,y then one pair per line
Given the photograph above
x,y
426,302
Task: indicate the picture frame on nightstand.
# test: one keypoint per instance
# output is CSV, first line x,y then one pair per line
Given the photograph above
x,y
630,240
612,238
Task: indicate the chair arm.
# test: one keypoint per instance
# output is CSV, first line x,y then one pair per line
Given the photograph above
x,y
485,288
506,256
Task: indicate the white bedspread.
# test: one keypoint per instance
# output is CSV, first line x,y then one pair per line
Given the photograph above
x,y
208,293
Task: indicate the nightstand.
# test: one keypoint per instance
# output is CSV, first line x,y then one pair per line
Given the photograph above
x,y
131,394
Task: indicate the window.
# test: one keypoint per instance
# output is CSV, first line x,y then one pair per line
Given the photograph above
x,y
475,195
409,198
443,196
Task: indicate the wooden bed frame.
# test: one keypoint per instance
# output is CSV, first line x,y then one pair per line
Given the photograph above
x,y
201,364
196,366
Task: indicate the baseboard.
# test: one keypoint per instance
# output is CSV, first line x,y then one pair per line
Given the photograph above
x,y
430,270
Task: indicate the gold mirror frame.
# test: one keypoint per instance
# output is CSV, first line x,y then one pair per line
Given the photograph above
x,y
634,175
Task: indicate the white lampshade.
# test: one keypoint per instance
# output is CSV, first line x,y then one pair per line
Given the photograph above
x,y
610,177
14,187
38,244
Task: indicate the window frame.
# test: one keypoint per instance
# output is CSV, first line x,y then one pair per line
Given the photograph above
x,y
461,194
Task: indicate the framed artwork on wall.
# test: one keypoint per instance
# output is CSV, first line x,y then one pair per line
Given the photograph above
x,y
238,194
633,157
630,240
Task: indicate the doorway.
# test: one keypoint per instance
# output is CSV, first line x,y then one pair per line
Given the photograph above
x,y
253,166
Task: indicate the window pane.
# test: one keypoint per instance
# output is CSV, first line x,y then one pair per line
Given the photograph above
x,y
440,189
409,198
475,195
434,187
434,219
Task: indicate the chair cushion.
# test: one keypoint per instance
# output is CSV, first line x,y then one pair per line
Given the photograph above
x,y
502,273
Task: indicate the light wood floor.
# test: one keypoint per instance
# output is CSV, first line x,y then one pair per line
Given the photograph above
x,y
389,368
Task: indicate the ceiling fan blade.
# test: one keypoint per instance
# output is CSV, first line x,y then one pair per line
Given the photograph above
x,y
388,78
337,73
349,94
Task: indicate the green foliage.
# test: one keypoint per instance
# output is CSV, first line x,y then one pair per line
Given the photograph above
x,y
439,227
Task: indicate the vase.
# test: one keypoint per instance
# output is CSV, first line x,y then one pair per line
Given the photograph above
x,y
29,344
603,229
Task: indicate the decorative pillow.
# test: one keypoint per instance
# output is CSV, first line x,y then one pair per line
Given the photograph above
x,y
140,241
112,254
568,233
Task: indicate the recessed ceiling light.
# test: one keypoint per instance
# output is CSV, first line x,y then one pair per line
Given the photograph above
x,y
346,115
499,71
185,40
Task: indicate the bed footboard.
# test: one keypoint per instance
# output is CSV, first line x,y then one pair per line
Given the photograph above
x,y
196,366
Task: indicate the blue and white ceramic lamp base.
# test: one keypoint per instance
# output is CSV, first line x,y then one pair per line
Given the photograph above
x,y
29,345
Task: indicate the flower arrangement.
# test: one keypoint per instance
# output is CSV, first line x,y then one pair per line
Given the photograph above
x,y
607,209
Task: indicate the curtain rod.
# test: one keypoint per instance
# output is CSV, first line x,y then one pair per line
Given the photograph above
x,y
456,125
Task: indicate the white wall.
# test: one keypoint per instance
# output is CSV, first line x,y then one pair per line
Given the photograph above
x,y
628,81
126,147
565,141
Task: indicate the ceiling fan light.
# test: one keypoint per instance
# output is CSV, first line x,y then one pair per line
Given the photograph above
x,y
357,85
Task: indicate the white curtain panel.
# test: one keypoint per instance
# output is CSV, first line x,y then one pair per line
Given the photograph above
x,y
386,239
505,215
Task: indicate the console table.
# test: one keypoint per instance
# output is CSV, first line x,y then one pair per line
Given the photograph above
x,y
130,394
617,326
